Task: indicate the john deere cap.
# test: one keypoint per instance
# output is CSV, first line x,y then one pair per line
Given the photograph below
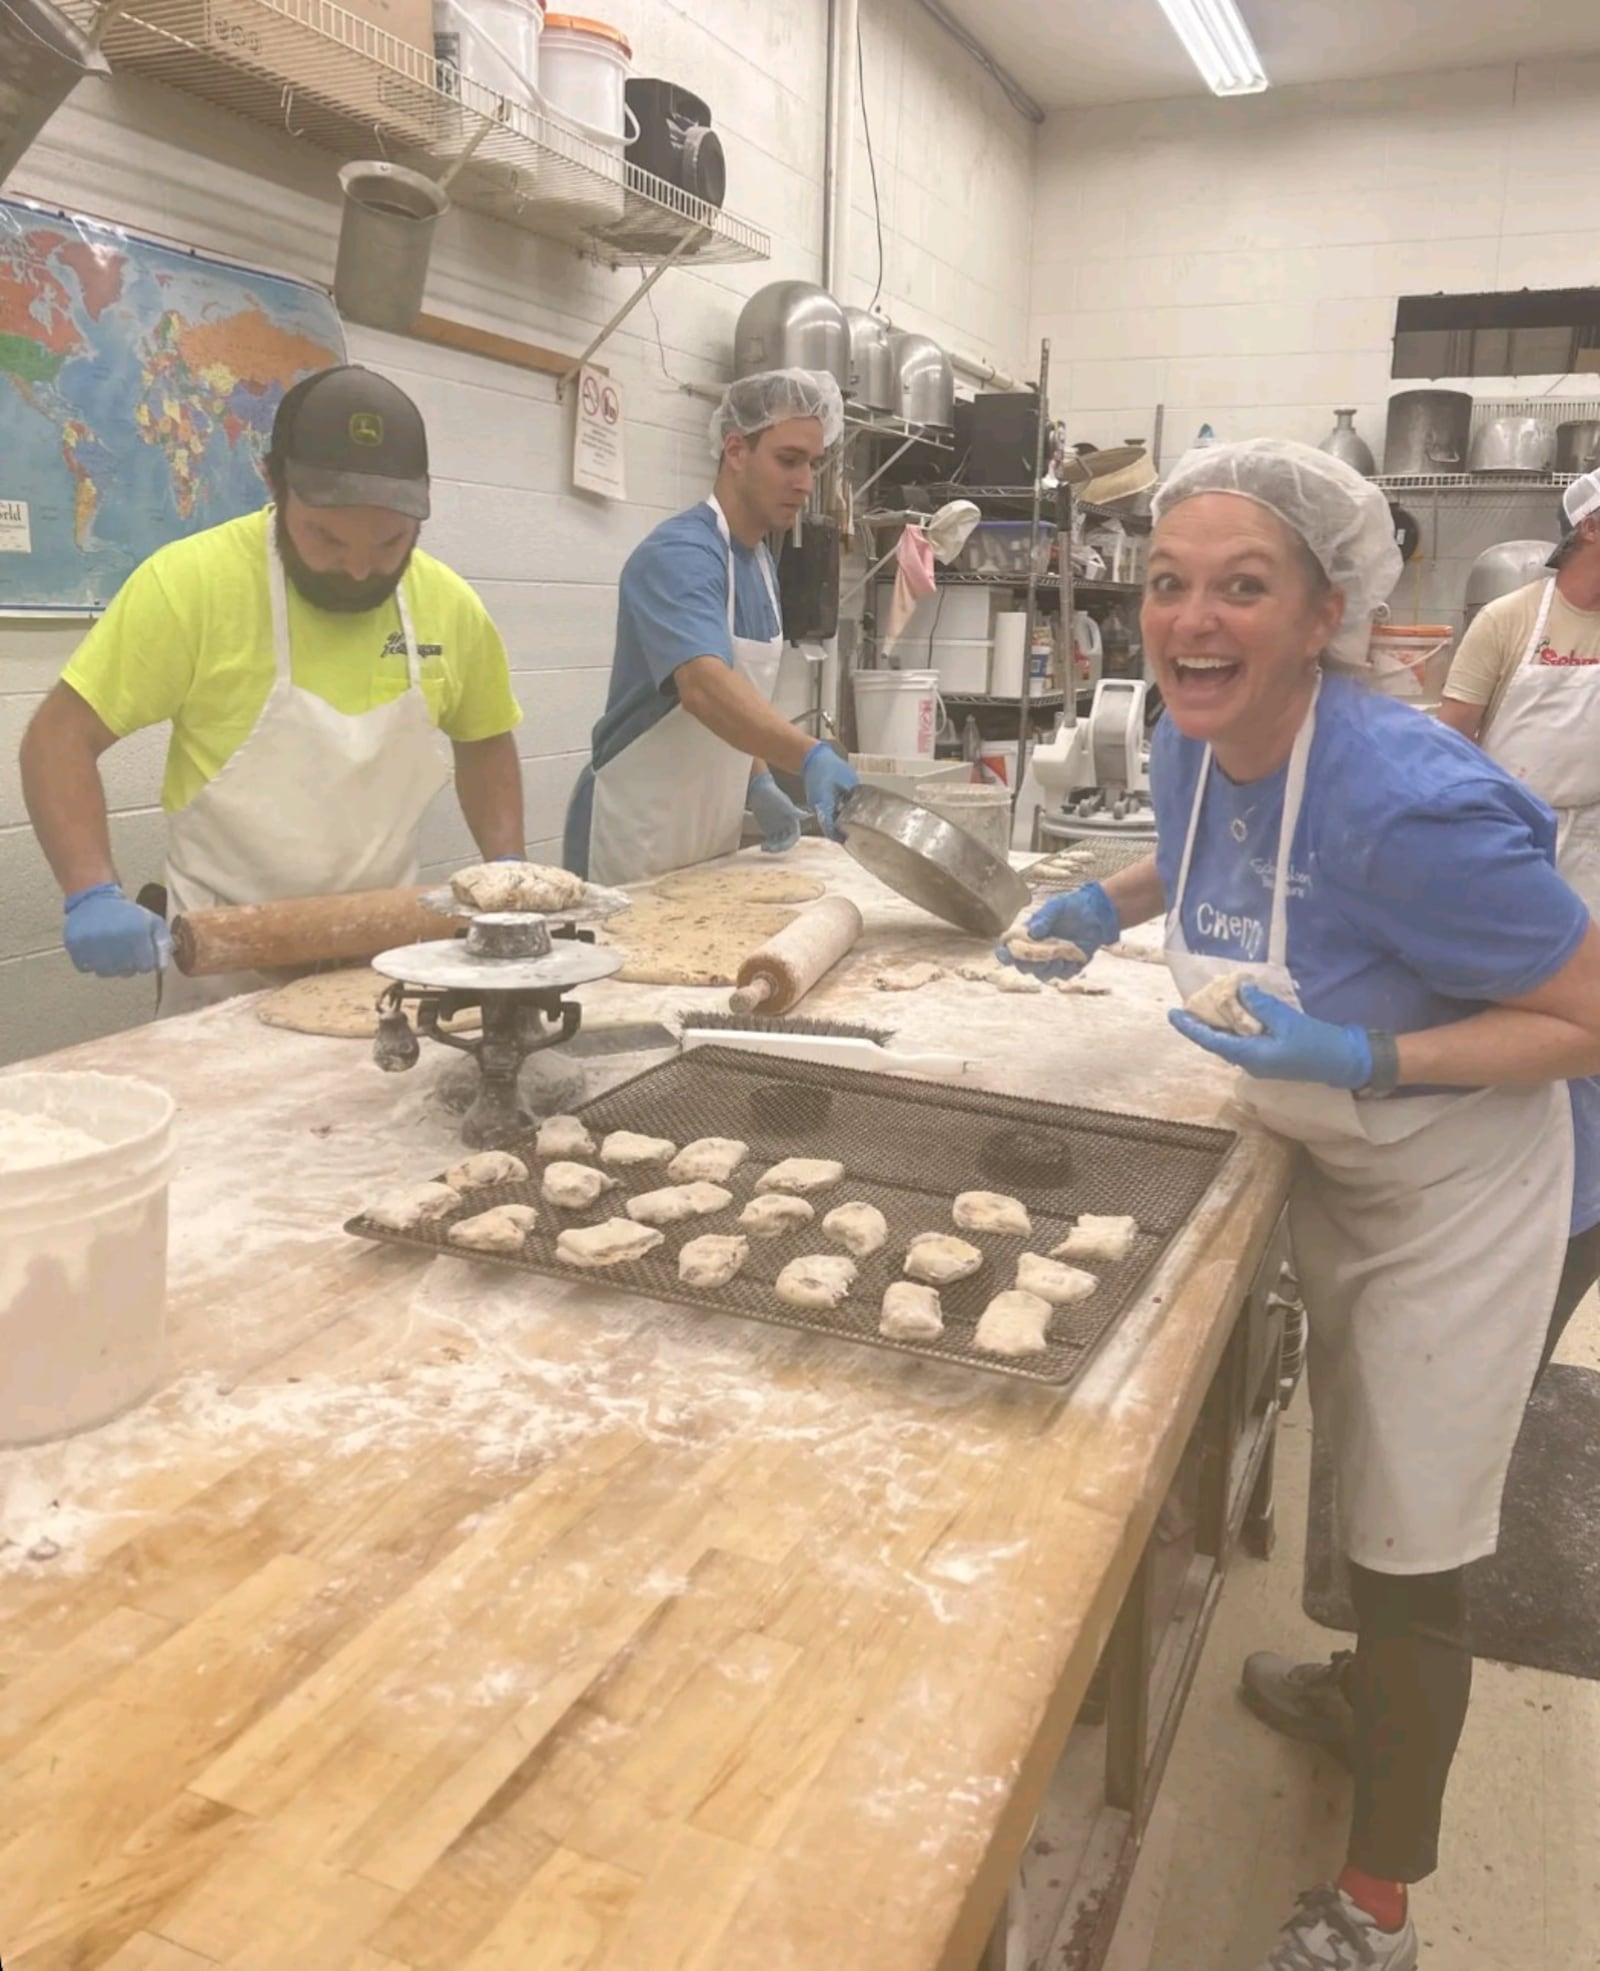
x,y
349,437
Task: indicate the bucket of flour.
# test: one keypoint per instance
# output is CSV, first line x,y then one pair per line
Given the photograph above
x,y
85,1161
898,712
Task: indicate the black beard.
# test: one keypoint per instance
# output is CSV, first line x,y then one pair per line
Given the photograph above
x,y
340,595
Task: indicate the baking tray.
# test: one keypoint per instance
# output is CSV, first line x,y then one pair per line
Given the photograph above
x,y
1072,864
908,1148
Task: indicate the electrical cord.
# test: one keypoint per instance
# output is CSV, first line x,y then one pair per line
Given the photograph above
x,y
872,162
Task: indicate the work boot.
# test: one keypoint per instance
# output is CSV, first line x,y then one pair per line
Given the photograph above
x,y
1309,1701
1328,1932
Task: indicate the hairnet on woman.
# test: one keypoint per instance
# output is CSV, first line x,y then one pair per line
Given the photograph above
x,y
1372,911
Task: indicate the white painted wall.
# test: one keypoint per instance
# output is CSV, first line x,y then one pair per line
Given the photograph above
x,y
544,559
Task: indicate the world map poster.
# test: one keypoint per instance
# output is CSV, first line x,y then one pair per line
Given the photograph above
x,y
138,384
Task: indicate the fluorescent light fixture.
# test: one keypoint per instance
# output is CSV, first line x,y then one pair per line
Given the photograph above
x,y
1217,41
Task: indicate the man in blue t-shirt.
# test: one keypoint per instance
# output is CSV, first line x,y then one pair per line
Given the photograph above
x,y
689,728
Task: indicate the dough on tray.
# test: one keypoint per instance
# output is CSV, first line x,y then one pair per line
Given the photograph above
x,y
1014,1323
1043,951
798,1174
1217,1004
820,1280
1050,1280
1104,1239
563,1136
990,1211
712,1159
531,886
502,1228
907,978
771,1217
487,1167
713,1259
574,1186
941,1260
860,1228
420,1204
677,1202
623,1147
911,1312
612,1243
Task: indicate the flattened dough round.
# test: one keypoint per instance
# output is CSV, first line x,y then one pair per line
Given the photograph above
x,y
1217,1004
1050,1280
725,886
1014,1323
941,1260
1043,951
418,1204
860,1228
675,1203
563,1136
1104,1239
502,1228
670,943
487,1167
612,1243
907,978
799,1175
911,1312
341,1006
990,1211
770,1217
625,1148
574,1186
712,1159
713,1259
820,1280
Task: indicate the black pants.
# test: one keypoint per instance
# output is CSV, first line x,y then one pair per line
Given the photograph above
x,y
1577,1277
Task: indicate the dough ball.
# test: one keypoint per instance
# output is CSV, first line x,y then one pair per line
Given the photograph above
x,y
1104,1239
1050,1280
713,1259
911,1313
678,1202
991,1211
798,1174
1043,951
860,1228
1013,1323
1217,1004
574,1186
713,1159
487,1167
612,1244
420,1204
907,978
941,1260
624,1148
485,886
531,886
501,1229
771,1217
564,1136
820,1280
1008,979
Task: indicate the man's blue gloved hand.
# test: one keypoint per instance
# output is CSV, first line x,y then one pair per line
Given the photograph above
x,y
1085,917
828,779
776,815
108,934
1294,1046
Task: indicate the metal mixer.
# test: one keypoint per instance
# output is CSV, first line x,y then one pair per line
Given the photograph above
x,y
517,969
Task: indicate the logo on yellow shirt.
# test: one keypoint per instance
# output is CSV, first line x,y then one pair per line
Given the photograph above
x,y
396,647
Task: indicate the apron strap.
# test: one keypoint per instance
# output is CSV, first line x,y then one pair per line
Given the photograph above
x,y
1541,623
763,562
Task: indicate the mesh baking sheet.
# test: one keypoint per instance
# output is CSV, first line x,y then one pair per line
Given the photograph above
x,y
908,1148
1086,861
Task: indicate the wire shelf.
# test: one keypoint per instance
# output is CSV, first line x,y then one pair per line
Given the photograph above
x,y
1045,700
1472,483
313,69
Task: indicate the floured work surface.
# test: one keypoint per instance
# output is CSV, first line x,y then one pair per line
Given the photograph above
x,y
907,1148
671,942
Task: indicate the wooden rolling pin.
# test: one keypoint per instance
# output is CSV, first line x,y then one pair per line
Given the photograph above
x,y
783,970
260,937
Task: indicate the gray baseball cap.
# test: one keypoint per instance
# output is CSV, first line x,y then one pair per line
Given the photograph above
x,y
349,437
1579,502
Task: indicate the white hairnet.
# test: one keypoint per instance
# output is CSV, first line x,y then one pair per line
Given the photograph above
x,y
767,398
1342,518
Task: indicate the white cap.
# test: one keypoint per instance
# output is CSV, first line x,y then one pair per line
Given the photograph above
x,y
1581,498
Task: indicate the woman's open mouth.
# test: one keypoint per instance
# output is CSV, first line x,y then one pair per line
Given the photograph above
x,y
1204,677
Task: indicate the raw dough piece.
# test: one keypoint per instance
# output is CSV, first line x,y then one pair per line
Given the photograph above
x,y
771,1217
725,886
713,1259
669,943
911,1313
1050,1280
341,1006
678,1202
564,1136
797,1174
907,978
404,1211
990,1211
623,1147
574,1186
978,973
1008,979
487,1167
516,886
941,1260
860,1228
1043,951
1217,1004
1104,1239
713,1159
821,1279
503,1228
611,1244
1013,1323
1142,953
1079,988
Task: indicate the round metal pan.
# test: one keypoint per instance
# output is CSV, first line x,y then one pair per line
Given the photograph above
x,y
931,862
449,965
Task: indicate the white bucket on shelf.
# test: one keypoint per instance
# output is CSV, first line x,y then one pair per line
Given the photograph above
x,y
898,712
492,43
83,1249
583,68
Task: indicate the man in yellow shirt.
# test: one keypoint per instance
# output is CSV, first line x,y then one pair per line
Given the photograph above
x,y
308,658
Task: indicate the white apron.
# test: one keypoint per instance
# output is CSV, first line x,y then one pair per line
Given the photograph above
x,y
316,802
1429,1234
1547,735
677,795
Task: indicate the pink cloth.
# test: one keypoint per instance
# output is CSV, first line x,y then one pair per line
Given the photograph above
x,y
913,578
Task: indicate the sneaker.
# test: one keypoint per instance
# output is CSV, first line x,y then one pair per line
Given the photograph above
x,y
1302,1700
1328,1932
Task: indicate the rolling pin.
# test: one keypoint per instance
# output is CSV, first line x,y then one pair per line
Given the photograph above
x,y
778,974
260,937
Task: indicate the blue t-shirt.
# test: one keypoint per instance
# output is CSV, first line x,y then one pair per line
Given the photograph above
x,y
1422,880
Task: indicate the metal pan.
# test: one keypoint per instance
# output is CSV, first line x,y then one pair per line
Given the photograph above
x,y
932,862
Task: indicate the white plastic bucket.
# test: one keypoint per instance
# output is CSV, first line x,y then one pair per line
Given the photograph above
x,y
1410,660
583,77
492,43
984,812
1010,646
83,1256
898,712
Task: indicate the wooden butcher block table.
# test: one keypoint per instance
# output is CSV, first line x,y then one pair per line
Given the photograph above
x,y
440,1618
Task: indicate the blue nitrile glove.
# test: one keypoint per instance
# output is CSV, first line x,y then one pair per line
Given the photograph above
x,y
776,815
1085,917
828,779
1294,1047
110,935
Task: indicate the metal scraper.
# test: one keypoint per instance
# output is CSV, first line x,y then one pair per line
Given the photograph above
x,y
829,1043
